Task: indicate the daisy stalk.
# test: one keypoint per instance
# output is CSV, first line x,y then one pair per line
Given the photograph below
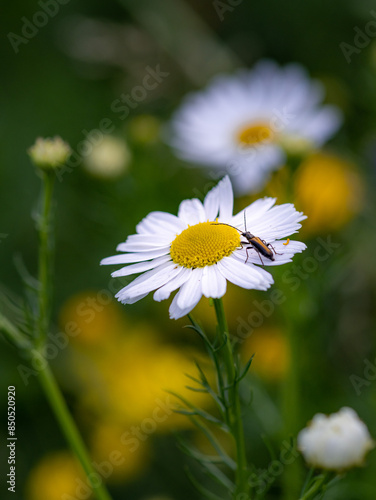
x,y
45,254
46,377
234,415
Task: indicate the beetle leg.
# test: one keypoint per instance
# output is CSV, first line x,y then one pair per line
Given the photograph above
x,y
271,246
253,248
260,257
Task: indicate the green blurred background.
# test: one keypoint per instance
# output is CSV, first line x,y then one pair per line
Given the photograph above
x,y
63,81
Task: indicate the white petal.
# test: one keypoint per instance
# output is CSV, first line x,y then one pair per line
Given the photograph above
x,y
145,243
160,222
242,274
250,168
128,258
211,204
220,201
188,296
213,282
176,282
133,300
149,281
176,312
322,124
279,222
141,267
156,240
192,212
190,293
253,212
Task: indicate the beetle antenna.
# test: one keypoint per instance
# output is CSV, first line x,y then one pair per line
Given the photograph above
x,y
224,224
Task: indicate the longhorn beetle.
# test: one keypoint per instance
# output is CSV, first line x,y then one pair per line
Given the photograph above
x,y
257,243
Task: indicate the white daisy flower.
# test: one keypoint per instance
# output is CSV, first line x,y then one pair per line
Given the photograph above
x,y
202,248
244,124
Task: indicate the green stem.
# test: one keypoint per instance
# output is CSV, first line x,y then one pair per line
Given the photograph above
x,y
68,426
315,487
234,416
47,380
44,224
291,408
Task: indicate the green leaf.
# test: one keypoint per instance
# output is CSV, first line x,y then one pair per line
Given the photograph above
x,y
245,369
221,346
28,280
215,473
201,489
195,389
194,411
13,334
204,429
196,454
196,327
205,383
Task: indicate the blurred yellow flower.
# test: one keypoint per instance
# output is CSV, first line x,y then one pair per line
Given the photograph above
x,y
271,353
57,474
113,459
94,317
329,191
131,379
109,158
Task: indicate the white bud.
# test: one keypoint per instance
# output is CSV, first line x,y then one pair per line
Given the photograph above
x,y
49,153
109,158
335,442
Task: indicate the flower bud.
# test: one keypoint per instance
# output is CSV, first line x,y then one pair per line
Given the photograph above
x,y
109,158
335,442
47,154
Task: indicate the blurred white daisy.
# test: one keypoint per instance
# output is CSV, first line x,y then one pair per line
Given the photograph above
x,y
244,124
198,251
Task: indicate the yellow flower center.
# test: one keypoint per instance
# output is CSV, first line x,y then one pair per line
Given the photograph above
x,y
255,134
204,244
